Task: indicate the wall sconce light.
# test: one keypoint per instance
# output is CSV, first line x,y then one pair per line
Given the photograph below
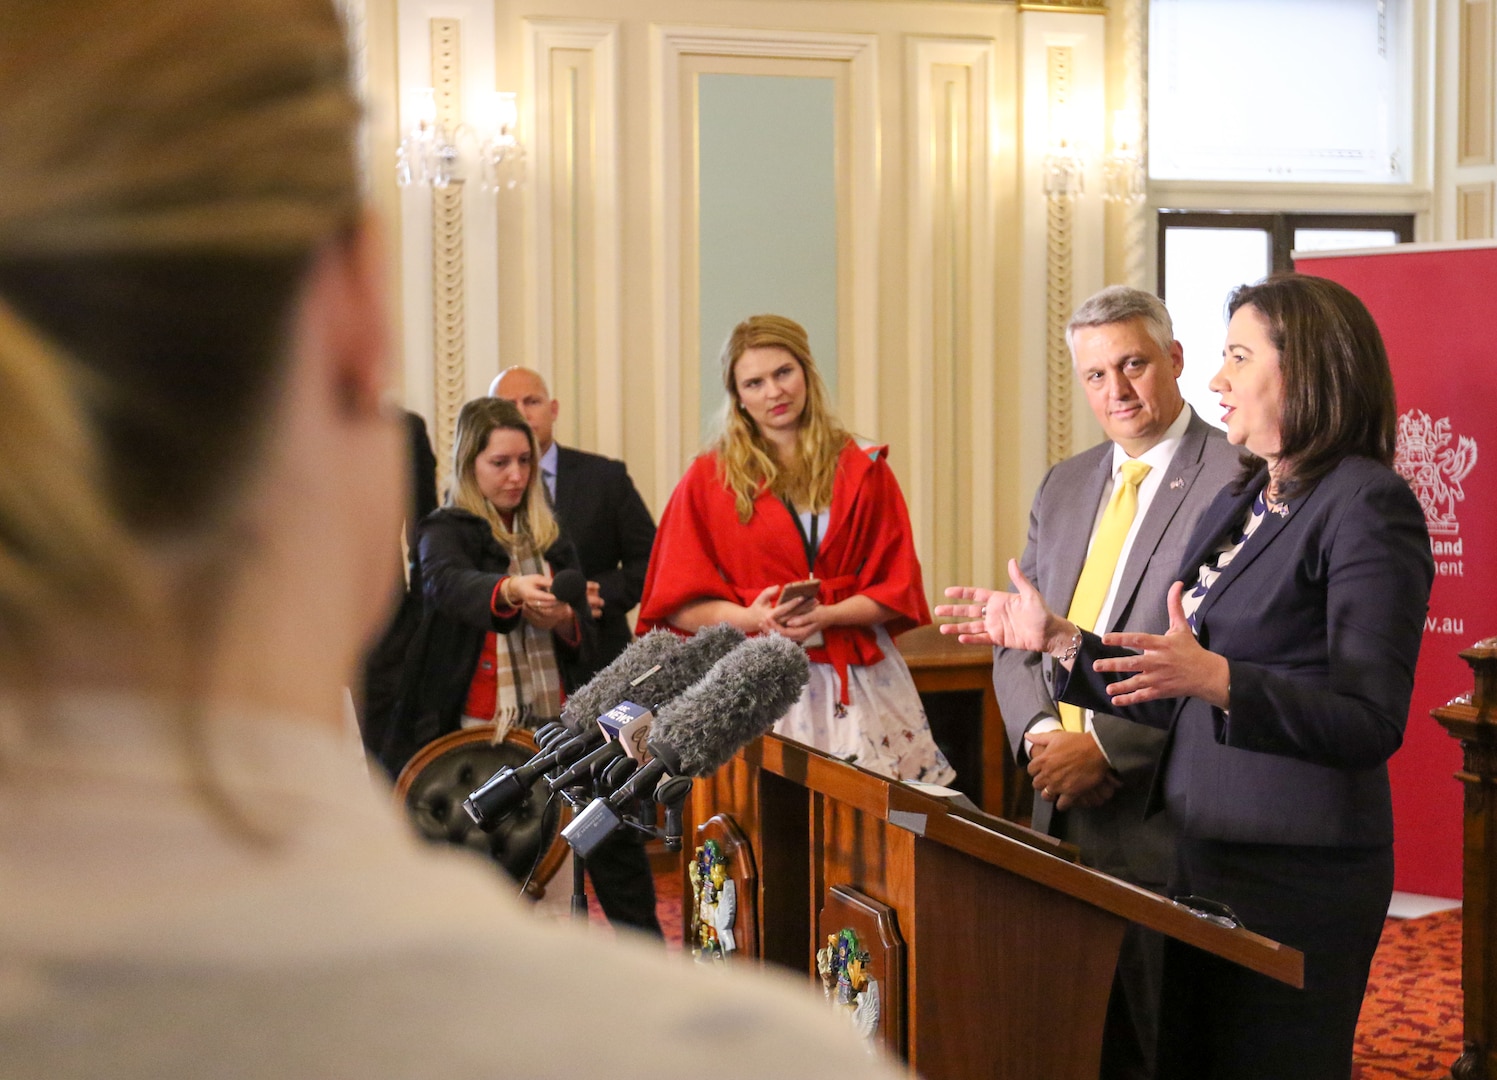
x,y
500,151
1123,177
1063,169
426,156
430,156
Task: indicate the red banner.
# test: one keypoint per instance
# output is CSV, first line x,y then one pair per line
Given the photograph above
x,y
1433,304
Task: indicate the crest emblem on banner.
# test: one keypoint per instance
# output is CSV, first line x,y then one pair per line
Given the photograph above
x,y
1434,468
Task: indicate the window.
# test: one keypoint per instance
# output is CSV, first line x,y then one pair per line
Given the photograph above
x,y
1203,256
1229,83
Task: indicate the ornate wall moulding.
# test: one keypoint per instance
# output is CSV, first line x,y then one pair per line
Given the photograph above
x,y
449,344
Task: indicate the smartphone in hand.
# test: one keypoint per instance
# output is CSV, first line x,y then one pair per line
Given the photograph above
x,y
810,589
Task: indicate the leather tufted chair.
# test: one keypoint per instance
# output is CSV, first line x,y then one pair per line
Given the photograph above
x,y
434,783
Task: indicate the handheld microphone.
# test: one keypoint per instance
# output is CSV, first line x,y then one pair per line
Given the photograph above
x,y
740,699
570,587
636,706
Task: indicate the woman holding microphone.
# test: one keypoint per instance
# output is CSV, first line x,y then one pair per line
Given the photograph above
x,y
486,649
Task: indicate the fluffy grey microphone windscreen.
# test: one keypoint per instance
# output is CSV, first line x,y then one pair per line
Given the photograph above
x,y
736,702
687,665
611,685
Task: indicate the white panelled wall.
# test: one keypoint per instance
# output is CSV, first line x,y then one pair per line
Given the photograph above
x,y
954,270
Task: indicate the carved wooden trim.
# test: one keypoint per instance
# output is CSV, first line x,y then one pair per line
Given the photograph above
x,y
517,747
745,874
1058,274
449,353
1472,718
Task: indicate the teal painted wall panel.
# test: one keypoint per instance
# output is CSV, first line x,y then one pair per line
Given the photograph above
x,y
768,226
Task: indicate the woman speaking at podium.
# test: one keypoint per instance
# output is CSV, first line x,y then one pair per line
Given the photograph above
x,y
1284,681
789,525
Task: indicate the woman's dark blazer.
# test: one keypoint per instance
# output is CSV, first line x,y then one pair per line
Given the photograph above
x,y
1320,618
459,564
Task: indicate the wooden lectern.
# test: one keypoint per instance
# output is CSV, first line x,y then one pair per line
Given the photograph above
x,y
1004,944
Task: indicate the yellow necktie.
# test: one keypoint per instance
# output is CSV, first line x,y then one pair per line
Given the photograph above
x,y
1101,562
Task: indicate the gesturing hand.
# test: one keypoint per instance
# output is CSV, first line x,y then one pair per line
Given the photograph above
x,y
1172,664
1008,620
969,633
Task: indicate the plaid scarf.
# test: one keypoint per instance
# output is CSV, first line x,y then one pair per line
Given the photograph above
x,y
528,688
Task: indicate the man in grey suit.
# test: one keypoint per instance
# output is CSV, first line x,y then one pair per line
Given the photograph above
x,y
1091,785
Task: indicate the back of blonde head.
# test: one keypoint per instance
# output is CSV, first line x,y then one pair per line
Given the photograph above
x,y
169,167
747,459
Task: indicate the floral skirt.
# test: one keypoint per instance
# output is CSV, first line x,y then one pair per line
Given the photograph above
x,y
884,729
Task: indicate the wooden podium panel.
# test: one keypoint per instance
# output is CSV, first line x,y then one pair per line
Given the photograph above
x,y
1005,933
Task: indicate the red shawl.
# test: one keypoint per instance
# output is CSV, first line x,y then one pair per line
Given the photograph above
x,y
703,552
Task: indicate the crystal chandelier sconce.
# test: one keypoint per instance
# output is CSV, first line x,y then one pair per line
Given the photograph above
x,y
500,153
1063,169
431,156
1123,178
427,155
1064,173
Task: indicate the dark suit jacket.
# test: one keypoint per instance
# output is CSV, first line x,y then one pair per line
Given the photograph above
x,y
1113,837
1320,617
608,523
385,660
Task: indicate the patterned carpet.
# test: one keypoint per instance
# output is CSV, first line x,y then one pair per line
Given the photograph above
x,y
1411,1018
1410,1027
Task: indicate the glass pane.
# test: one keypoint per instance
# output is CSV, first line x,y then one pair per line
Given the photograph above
x,y
1255,90
1336,239
1201,266
768,225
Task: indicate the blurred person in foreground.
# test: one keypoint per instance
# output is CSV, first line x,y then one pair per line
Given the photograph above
x,y
1283,681
198,484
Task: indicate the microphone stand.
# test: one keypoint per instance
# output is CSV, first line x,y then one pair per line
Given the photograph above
x,y
579,888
